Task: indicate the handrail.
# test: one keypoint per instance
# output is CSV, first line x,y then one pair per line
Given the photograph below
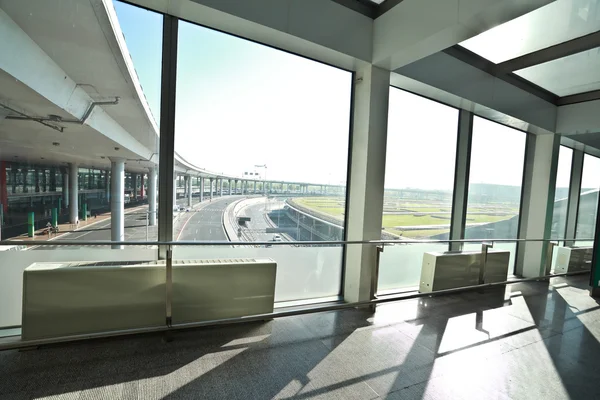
x,y
227,243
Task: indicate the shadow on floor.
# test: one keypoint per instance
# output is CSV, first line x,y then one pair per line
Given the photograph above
x,y
530,340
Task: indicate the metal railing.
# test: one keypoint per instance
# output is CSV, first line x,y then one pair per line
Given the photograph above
x,y
380,244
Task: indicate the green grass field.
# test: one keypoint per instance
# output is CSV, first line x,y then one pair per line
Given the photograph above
x,y
393,223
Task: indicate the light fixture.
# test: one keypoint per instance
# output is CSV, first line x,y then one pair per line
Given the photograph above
x,y
117,148
55,144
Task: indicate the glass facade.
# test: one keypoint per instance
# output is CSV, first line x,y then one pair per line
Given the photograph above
x,y
261,154
496,177
588,199
561,193
419,178
275,152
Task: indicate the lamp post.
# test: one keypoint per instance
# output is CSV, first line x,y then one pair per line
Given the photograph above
x,y
264,177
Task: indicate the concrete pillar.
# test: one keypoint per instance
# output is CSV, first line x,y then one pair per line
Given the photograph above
x,y
230,187
117,201
73,192
221,187
189,190
366,181
211,188
201,189
152,196
539,184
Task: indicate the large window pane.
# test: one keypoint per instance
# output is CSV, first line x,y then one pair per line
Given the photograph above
x,y
419,178
261,142
76,98
561,194
496,177
588,199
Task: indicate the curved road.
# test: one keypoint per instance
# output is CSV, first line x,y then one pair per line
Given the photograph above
x,y
206,223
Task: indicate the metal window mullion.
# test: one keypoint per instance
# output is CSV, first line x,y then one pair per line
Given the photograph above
x,y
574,194
167,153
462,167
167,133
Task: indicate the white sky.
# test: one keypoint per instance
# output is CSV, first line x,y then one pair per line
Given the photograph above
x,y
240,104
590,178
421,143
497,154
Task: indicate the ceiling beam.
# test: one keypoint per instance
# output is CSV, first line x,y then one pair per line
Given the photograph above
x,y
579,98
551,53
489,67
364,7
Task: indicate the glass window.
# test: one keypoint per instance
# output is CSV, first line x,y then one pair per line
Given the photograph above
x,y
588,199
261,140
561,193
75,101
495,180
565,76
557,22
419,178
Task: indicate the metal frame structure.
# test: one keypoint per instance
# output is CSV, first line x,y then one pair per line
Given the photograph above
x,y
462,169
506,69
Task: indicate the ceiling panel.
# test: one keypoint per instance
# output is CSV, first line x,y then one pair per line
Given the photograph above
x,y
552,24
566,76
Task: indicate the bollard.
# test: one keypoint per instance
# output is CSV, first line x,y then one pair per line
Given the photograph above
x,y
30,224
54,217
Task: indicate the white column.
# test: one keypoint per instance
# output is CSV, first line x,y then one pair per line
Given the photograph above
x,y
539,185
117,201
254,187
189,190
230,187
221,187
211,188
152,196
73,193
201,189
365,205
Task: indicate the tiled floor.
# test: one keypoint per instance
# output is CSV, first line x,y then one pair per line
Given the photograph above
x,y
532,341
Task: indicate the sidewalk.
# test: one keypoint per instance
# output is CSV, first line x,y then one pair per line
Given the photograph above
x,y
69,228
